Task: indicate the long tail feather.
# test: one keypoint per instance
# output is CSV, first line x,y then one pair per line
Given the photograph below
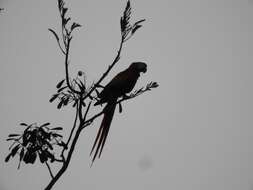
x,y
103,130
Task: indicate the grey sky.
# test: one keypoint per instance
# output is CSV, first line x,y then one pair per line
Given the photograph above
x,y
194,132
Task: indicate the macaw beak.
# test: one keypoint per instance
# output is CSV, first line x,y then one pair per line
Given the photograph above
x,y
143,67
144,70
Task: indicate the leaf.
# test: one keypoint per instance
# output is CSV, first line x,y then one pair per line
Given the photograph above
x,y
55,35
120,108
66,101
49,155
74,25
45,124
30,157
23,124
49,145
60,83
74,105
11,139
61,89
7,157
57,128
43,157
53,97
140,21
64,21
64,10
14,150
68,19
13,135
135,28
154,85
60,4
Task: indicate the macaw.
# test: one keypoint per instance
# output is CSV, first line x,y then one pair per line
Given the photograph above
x,y
121,84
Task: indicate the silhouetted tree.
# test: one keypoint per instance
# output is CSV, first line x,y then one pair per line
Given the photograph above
x,y
44,141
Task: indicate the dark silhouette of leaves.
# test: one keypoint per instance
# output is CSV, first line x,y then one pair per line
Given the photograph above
x,y
74,25
30,157
43,157
124,21
34,140
136,26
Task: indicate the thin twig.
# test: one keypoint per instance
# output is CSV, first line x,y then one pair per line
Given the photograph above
x,y
50,171
67,69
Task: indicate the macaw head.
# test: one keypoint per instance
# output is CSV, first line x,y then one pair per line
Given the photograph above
x,y
139,66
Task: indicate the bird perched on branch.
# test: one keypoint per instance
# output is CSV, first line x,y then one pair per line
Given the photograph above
x,y
121,84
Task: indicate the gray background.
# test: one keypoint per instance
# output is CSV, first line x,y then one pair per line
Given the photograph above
x,y
194,132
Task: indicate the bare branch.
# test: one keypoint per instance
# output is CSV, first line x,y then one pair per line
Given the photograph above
x,y
73,128
49,169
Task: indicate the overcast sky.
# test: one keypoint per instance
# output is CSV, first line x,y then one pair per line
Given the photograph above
x,y
194,132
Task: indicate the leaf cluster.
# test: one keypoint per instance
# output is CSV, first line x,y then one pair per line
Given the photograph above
x,y
127,30
35,141
148,87
66,30
66,95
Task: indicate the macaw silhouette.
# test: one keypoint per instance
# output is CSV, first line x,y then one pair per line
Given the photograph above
x,y
121,84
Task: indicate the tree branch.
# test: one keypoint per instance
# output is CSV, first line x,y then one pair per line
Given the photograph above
x,y
66,163
116,59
